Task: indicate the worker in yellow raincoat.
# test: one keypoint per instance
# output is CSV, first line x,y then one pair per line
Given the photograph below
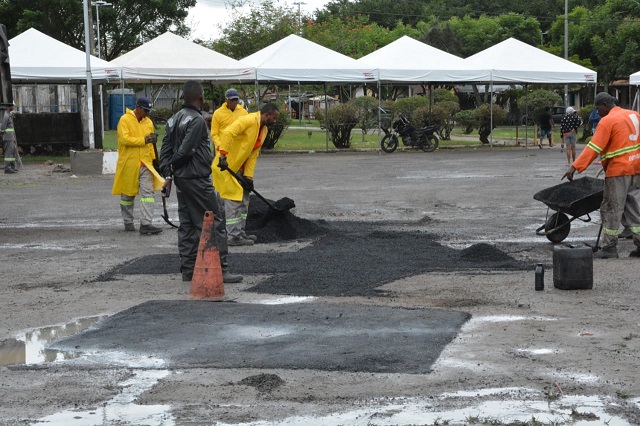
x,y
222,118
239,150
135,173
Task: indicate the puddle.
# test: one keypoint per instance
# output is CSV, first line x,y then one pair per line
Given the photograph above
x,y
538,351
121,409
569,410
286,300
58,247
30,347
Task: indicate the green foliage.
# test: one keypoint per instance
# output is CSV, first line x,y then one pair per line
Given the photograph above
x,y
354,37
537,101
250,32
276,129
339,121
441,95
468,120
367,112
407,106
123,26
444,115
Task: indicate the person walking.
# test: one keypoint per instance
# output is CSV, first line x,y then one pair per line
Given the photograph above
x,y
185,159
546,127
236,215
135,173
8,134
616,141
569,129
239,150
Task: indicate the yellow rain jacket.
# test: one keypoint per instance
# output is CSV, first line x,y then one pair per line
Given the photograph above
x,y
222,118
241,141
132,153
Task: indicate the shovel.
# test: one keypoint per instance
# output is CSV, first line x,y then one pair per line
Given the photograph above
x,y
288,204
165,194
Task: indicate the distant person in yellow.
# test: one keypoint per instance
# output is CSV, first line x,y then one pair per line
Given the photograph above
x,y
239,150
134,171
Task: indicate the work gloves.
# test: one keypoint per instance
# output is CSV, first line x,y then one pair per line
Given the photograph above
x,y
222,163
246,183
151,138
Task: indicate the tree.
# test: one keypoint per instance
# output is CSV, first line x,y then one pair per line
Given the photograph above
x,y
367,112
340,119
249,32
444,115
538,101
123,27
485,122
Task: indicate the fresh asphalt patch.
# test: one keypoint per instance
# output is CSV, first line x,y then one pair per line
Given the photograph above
x,y
320,336
347,259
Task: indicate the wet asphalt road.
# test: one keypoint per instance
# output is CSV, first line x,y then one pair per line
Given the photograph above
x,y
457,198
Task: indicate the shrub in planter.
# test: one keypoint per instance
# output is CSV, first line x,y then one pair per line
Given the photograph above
x,y
276,129
340,119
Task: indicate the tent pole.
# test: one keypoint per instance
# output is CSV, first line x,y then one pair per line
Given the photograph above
x,y
491,115
257,94
526,116
326,113
379,117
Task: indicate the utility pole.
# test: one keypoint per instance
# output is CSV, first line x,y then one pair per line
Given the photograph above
x,y
87,48
299,3
97,4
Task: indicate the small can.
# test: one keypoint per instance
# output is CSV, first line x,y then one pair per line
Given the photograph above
x,y
539,277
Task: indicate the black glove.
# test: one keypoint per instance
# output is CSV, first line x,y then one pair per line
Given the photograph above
x,y
222,163
247,184
569,174
151,138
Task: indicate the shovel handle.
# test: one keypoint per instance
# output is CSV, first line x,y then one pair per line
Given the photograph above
x,y
267,202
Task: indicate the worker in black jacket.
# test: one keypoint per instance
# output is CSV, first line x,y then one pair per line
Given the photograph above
x,y
185,159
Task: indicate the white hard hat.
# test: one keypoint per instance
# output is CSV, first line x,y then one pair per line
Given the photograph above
x,y
570,110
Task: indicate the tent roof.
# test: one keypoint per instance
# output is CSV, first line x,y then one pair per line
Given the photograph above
x,y
37,58
635,78
170,57
517,62
296,59
409,60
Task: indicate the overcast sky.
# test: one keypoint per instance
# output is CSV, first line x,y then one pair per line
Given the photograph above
x,y
205,17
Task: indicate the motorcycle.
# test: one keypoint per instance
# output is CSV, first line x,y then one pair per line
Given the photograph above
x,y
424,137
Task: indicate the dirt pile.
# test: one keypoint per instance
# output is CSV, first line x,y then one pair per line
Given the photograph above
x,y
483,252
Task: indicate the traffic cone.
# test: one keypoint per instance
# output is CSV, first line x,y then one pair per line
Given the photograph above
x,y
207,281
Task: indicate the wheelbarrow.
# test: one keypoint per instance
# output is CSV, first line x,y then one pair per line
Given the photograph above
x,y
570,201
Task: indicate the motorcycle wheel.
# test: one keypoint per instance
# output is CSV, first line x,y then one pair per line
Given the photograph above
x,y
429,143
389,143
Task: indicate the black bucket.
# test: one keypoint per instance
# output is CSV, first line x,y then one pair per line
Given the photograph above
x,y
572,268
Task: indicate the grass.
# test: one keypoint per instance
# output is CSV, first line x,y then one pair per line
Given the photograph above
x,y
315,140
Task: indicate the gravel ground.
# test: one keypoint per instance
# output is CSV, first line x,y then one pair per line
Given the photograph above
x,y
450,230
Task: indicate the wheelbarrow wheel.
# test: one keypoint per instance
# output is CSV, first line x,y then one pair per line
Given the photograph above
x,y
557,227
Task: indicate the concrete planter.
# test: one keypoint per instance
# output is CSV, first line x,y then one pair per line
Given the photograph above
x,y
93,162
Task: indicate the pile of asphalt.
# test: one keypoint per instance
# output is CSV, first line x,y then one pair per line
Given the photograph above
x,y
344,259
271,226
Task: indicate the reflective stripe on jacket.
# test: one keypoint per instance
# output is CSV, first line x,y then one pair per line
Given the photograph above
x,y
132,151
6,127
241,141
616,142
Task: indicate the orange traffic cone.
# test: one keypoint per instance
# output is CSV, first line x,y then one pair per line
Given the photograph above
x,y
207,275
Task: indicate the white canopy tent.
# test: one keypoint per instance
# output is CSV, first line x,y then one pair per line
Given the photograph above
x,y
37,58
294,59
513,61
634,79
171,58
409,60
